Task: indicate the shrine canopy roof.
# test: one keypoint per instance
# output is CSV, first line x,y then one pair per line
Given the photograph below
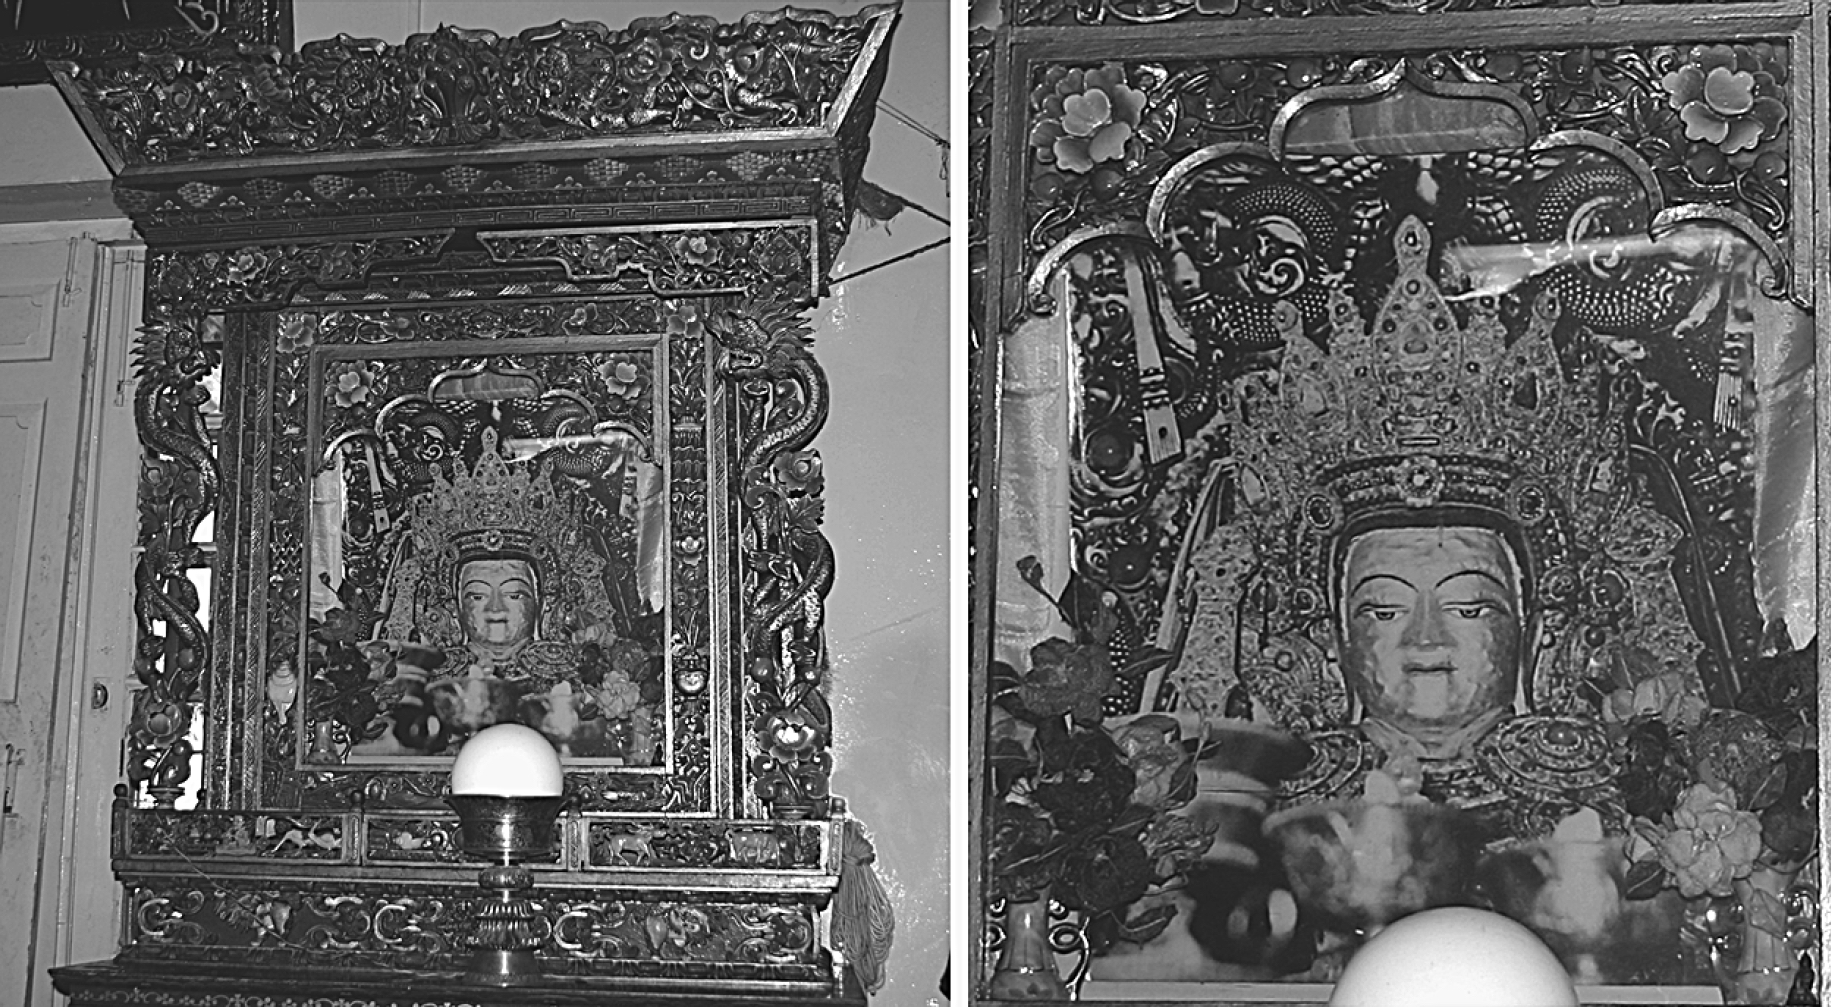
x,y
664,112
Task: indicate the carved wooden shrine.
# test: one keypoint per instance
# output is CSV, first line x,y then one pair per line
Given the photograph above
x,y
1395,490
539,297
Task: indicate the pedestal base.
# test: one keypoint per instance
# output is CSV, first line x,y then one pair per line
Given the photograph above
x,y
503,968
189,984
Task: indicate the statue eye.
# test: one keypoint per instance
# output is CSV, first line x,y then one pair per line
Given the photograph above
x,y
1471,609
1380,612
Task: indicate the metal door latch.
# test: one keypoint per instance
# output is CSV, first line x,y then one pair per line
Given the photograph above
x,y
14,757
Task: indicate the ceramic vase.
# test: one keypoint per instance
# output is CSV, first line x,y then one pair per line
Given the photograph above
x,y
1764,971
1026,965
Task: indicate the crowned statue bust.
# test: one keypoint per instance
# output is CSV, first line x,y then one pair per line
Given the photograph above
x,y
1434,539
500,614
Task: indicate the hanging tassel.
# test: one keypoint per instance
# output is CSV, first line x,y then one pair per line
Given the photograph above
x,y
878,205
863,921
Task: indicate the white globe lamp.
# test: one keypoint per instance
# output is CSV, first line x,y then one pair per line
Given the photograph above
x,y
1454,958
507,760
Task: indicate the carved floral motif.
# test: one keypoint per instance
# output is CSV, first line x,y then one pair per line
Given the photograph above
x,y
734,257
704,844
457,87
264,274
420,927
1681,108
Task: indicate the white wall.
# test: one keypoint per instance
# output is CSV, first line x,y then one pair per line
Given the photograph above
x,y
883,341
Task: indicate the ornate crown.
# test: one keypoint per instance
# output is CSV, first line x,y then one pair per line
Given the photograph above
x,y
1423,418
495,509
491,510
1420,413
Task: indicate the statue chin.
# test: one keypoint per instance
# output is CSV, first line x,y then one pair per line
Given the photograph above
x,y
1441,738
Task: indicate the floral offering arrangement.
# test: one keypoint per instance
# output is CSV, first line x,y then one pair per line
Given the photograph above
x,y
1723,805
1086,811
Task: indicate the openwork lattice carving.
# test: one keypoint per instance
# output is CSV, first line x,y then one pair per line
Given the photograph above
x,y
456,87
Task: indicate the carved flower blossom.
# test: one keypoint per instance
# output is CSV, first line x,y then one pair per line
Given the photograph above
x,y
790,734
697,249
645,63
683,318
298,330
245,264
158,721
1725,98
1088,118
694,51
351,385
602,255
621,377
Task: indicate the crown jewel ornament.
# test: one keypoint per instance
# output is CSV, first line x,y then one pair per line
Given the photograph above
x,y
491,510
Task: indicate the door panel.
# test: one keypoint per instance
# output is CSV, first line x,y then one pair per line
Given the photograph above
x,y
44,310
21,445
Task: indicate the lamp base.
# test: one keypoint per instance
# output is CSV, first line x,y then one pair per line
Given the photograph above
x,y
490,967
507,830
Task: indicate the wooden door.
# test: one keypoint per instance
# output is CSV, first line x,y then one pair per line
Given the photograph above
x,y
44,327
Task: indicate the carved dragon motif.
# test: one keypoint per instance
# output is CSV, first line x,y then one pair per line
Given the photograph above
x,y
783,404
179,487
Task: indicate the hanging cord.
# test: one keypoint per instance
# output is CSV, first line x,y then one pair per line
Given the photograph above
x,y
893,260
880,206
913,123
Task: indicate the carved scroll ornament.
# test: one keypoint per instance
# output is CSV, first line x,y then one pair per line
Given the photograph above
x,y
454,87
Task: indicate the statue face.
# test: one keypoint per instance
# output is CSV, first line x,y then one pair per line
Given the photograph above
x,y
1431,626
499,603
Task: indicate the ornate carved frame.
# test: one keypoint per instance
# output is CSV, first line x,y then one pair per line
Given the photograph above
x,y
681,185
1024,226
249,22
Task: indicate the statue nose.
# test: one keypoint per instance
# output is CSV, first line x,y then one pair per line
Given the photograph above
x,y
1425,629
